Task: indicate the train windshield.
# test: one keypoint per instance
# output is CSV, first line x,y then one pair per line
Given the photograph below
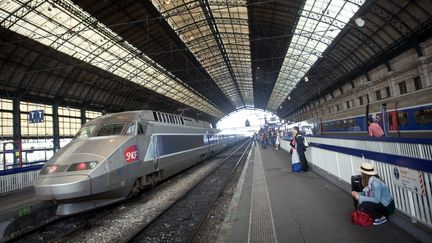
x,y
111,129
85,131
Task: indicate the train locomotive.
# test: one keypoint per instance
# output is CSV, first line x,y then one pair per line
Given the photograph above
x,y
114,156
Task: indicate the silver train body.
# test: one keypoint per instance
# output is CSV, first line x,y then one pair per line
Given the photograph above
x,y
116,155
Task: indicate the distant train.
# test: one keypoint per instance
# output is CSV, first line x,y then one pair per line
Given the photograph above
x,y
412,119
412,122
116,155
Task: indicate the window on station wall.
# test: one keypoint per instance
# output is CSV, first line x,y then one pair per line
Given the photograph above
x,y
378,94
360,100
36,128
348,104
92,115
69,123
402,88
6,120
388,91
36,132
417,83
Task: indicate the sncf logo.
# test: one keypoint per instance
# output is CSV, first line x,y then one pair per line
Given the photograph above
x,y
131,154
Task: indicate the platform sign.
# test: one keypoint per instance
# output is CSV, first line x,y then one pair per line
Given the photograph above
x,y
408,179
36,116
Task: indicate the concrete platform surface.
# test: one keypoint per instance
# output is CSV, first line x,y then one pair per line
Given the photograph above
x,y
300,207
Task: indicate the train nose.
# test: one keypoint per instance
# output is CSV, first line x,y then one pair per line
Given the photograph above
x,y
62,187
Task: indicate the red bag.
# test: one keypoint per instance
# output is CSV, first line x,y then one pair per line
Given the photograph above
x,y
361,218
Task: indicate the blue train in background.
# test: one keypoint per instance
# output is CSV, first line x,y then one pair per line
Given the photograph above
x,y
408,122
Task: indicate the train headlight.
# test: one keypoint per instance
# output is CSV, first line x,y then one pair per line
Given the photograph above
x,y
82,166
48,169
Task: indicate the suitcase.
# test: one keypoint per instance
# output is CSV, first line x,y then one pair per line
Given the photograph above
x,y
356,185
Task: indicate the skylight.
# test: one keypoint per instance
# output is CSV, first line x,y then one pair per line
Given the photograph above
x,y
319,24
190,22
68,29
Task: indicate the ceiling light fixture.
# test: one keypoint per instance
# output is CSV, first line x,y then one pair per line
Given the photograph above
x,y
360,22
306,79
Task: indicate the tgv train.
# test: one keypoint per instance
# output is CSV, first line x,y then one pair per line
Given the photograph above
x,y
116,155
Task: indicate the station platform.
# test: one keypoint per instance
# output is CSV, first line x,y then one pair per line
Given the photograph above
x,y
17,199
273,204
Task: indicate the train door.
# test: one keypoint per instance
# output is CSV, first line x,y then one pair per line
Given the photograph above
x,y
155,152
142,139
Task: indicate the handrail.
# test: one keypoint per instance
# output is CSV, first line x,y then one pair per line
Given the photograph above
x,y
403,161
20,170
374,139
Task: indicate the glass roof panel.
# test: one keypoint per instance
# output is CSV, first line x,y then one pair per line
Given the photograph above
x,y
319,24
67,28
189,21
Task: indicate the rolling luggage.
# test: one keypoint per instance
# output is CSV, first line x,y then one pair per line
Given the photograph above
x,y
356,185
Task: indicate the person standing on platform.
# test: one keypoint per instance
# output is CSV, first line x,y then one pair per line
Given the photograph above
x,y
277,142
374,129
297,142
375,198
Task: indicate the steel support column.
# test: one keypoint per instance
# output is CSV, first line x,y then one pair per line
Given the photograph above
x,y
56,128
16,127
83,115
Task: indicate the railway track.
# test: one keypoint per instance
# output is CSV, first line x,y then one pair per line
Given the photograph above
x,y
62,229
58,229
181,221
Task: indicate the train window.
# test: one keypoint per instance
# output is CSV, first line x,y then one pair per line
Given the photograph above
x,y
403,118
423,116
142,128
131,129
111,129
390,119
85,131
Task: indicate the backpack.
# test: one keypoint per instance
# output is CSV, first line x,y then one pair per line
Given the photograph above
x,y
306,142
361,218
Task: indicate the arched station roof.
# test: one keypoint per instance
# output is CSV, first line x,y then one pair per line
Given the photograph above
x,y
203,58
